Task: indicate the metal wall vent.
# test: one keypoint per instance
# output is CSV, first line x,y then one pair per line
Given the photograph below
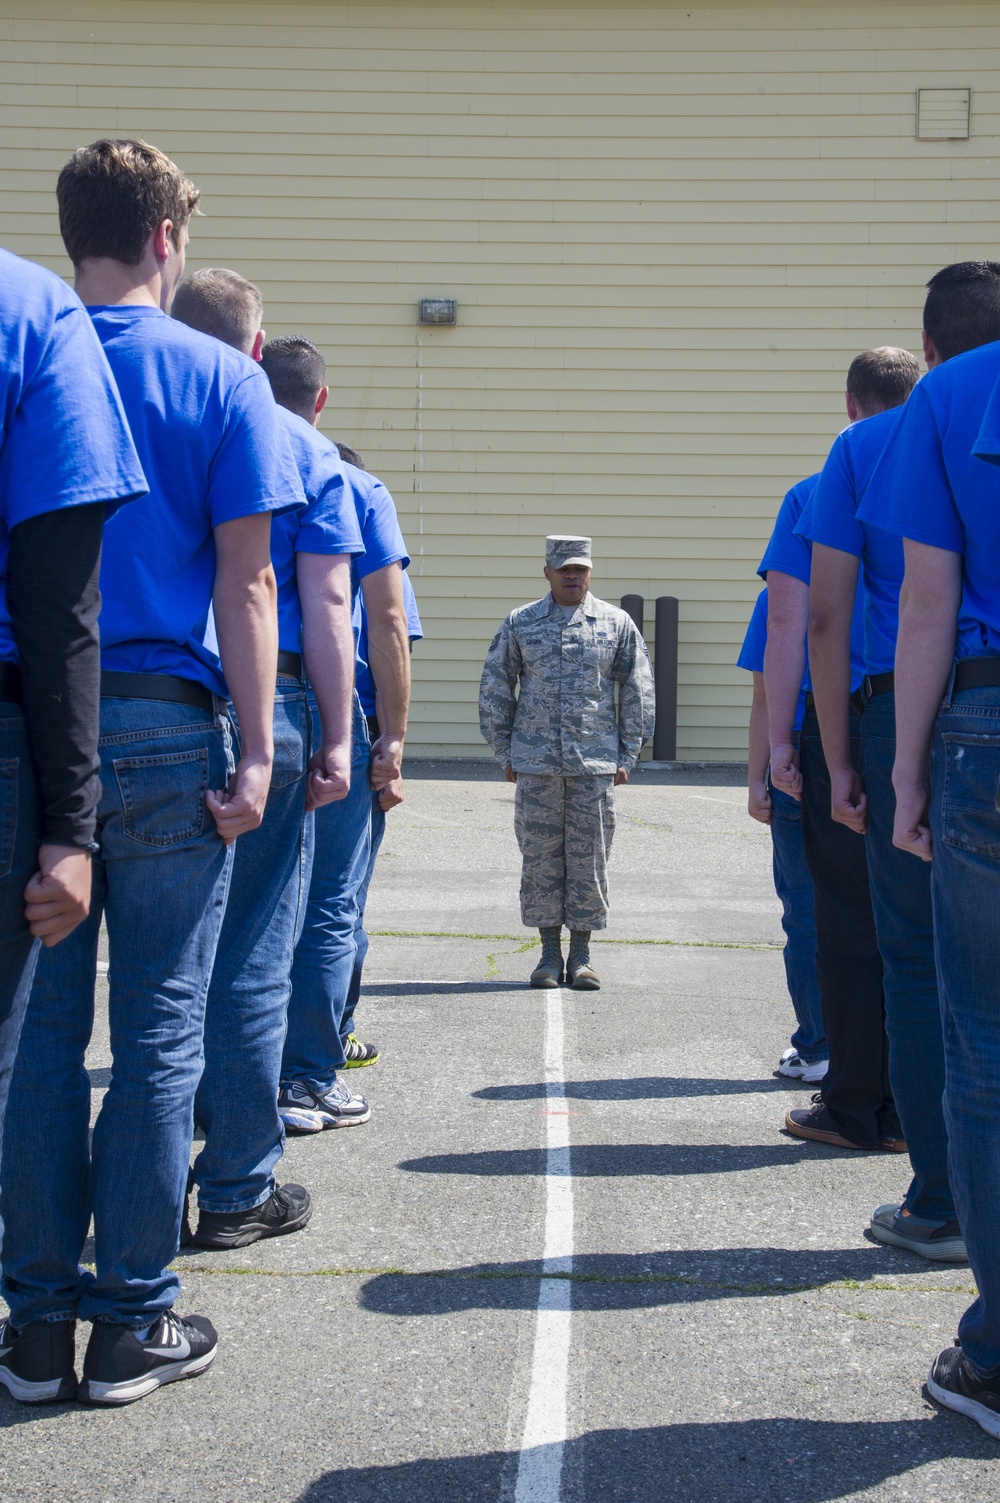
x,y
943,114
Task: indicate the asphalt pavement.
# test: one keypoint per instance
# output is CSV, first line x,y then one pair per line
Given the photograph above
x,y
730,1333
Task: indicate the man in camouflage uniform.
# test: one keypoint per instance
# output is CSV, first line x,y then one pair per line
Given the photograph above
x,y
547,707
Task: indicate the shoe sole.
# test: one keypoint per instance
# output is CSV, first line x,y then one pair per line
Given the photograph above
x,y
220,1241
111,1395
52,1391
311,1122
586,985
819,1135
952,1251
893,1145
985,1418
359,1064
545,985
807,1075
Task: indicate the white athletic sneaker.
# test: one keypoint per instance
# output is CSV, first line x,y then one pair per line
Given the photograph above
x,y
791,1065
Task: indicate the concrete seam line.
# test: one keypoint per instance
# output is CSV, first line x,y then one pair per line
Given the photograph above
x,y
540,1464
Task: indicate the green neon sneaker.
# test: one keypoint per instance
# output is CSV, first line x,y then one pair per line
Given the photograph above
x,y
358,1054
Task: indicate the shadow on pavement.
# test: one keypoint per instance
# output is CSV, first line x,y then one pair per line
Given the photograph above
x,y
437,988
614,1159
638,1088
636,1281
739,1461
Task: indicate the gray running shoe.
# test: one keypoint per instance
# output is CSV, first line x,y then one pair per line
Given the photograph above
x,y
303,1110
941,1242
954,1382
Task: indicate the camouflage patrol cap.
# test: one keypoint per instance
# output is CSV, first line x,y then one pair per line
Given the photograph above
x,y
560,551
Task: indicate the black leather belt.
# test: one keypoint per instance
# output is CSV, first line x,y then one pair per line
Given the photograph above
x,y
373,730
10,683
183,691
290,663
872,684
977,673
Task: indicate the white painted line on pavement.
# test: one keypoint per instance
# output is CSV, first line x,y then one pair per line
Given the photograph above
x,y
539,1469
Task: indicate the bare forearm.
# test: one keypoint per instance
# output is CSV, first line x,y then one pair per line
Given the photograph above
x,y
328,641
830,670
784,667
759,748
925,651
388,648
247,626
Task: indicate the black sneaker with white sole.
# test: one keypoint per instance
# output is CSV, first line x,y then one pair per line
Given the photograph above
x,y
303,1110
121,1366
954,1382
287,1210
37,1361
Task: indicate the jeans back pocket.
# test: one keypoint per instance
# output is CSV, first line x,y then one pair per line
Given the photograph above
x,y
970,818
9,769
163,797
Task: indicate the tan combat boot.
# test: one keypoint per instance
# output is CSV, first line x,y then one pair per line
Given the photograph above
x,y
579,972
549,970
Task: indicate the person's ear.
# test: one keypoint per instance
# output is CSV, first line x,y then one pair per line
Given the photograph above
x,y
931,356
854,413
162,240
321,399
258,344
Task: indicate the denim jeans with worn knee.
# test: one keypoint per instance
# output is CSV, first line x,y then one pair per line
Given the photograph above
x,y
324,955
793,885
237,1102
904,923
160,881
360,934
965,890
18,862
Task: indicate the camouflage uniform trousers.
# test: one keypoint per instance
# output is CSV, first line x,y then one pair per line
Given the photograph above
x,y
564,828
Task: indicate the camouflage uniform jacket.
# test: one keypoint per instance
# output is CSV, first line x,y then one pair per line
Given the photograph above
x,y
547,697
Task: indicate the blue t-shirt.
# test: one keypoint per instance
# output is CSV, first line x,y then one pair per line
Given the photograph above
x,y
214,449
327,524
64,440
831,518
789,552
365,682
930,487
752,652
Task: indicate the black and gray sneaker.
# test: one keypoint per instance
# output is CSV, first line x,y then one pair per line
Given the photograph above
x,y
36,1362
955,1384
287,1210
303,1110
121,1367
357,1053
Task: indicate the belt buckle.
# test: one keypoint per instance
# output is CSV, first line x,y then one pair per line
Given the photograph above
x,y
866,689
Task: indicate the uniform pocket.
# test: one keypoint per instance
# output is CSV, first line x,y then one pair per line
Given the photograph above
x,y
9,769
163,797
970,817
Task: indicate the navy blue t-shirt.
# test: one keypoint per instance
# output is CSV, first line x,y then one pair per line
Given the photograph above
x,y
327,524
831,518
213,449
788,552
754,645
64,440
365,682
930,487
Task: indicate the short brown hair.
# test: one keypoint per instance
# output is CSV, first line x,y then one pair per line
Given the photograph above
x,y
350,456
882,378
113,194
221,303
296,370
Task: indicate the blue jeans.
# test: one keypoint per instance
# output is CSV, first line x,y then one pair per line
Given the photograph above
x,y
965,889
904,922
360,936
324,955
237,1102
793,885
18,863
160,880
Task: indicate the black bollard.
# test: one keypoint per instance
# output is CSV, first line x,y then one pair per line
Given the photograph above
x,y
634,606
665,678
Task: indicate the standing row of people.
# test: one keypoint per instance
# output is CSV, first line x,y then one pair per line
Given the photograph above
x,y
210,799
887,564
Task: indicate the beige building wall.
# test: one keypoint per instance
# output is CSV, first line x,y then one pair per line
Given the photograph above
x,y
668,228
